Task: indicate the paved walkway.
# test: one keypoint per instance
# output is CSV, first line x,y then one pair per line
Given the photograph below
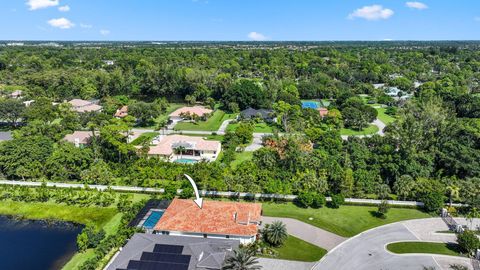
x,y
366,251
381,126
308,233
275,264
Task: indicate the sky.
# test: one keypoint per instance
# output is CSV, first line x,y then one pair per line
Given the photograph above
x,y
239,20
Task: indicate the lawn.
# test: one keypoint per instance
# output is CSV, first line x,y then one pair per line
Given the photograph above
x,y
258,128
385,118
372,129
212,124
241,157
206,137
164,116
295,249
145,137
425,247
346,221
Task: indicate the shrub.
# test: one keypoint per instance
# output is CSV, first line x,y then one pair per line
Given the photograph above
x,y
318,201
304,199
383,209
433,201
468,241
336,201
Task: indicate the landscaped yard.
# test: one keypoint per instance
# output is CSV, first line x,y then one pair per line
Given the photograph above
x,y
164,116
206,137
241,157
346,221
425,247
258,128
212,124
372,129
295,249
385,118
145,137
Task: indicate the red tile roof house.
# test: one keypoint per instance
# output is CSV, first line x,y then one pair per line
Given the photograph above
x,y
323,112
122,112
221,220
194,148
198,110
81,106
79,138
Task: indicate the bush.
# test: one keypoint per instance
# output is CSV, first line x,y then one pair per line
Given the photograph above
x,y
433,201
318,201
305,199
336,201
468,241
383,209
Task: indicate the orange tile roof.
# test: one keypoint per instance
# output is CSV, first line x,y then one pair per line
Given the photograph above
x,y
222,218
198,110
165,146
122,112
323,111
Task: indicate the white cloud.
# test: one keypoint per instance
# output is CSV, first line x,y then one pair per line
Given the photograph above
x,y
104,32
64,8
39,4
61,23
257,36
83,25
416,5
371,13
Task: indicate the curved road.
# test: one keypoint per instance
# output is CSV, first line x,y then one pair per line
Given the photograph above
x,y
366,251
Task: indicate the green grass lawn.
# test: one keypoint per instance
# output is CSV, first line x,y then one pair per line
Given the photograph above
x,y
258,128
212,124
372,129
145,137
241,157
346,221
385,118
295,249
425,247
206,137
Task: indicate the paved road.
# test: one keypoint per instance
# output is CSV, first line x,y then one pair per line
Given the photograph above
x,y
308,233
366,251
275,264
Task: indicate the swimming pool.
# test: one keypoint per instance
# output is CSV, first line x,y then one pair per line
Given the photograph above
x,y
153,219
310,104
186,160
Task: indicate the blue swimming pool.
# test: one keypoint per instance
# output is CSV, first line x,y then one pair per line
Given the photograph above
x,y
153,219
310,104
186,160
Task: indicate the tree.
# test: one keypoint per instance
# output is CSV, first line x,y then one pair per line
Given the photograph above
x,y
242,259
468,241
11,110
276,233
471,215
179,150
246,93
67,162
244,133
99,173
404,187
337,200
453,193
432,201
145,113
383,208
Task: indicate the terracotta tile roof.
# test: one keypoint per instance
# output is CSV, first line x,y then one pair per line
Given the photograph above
x,y
82,137
80,105
198,110
223,218
323,111
165,146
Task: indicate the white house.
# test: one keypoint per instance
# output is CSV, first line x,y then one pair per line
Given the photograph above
x,y
192,148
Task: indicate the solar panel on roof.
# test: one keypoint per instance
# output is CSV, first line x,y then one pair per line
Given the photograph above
x,y
168,249
149,265
165,257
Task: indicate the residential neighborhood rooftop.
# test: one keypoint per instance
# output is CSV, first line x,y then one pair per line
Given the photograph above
x,y
167,144
198,110
80,105
79,137
215,217
122,112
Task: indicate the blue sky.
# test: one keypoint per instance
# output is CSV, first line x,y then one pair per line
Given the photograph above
x,y
239,20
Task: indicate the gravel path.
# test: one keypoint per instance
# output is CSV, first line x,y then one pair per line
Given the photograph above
x,y
309,233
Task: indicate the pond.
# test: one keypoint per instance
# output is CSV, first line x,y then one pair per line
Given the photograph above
x,y
26,244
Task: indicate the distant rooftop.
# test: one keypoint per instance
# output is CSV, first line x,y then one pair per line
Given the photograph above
x,y
198,110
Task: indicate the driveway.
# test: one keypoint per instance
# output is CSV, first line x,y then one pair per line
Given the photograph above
x,y
366,251
381,126
256,142
308,233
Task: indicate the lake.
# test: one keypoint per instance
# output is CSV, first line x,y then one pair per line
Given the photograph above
x,y
39,245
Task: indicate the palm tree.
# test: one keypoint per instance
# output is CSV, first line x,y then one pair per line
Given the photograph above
x,y
179,150
276,233
453,193
241,259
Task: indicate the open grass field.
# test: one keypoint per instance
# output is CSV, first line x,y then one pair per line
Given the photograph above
x,y
258,128
212,124
425,247
372,129
295,249
346,221
385,118
241,157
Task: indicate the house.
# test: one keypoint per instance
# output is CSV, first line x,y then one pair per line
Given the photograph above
x,y
109,62
122,112
82,106
323,112
250,113
193,148
16,94
216,220
5,136
79,138
178,115
397,94
152,251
